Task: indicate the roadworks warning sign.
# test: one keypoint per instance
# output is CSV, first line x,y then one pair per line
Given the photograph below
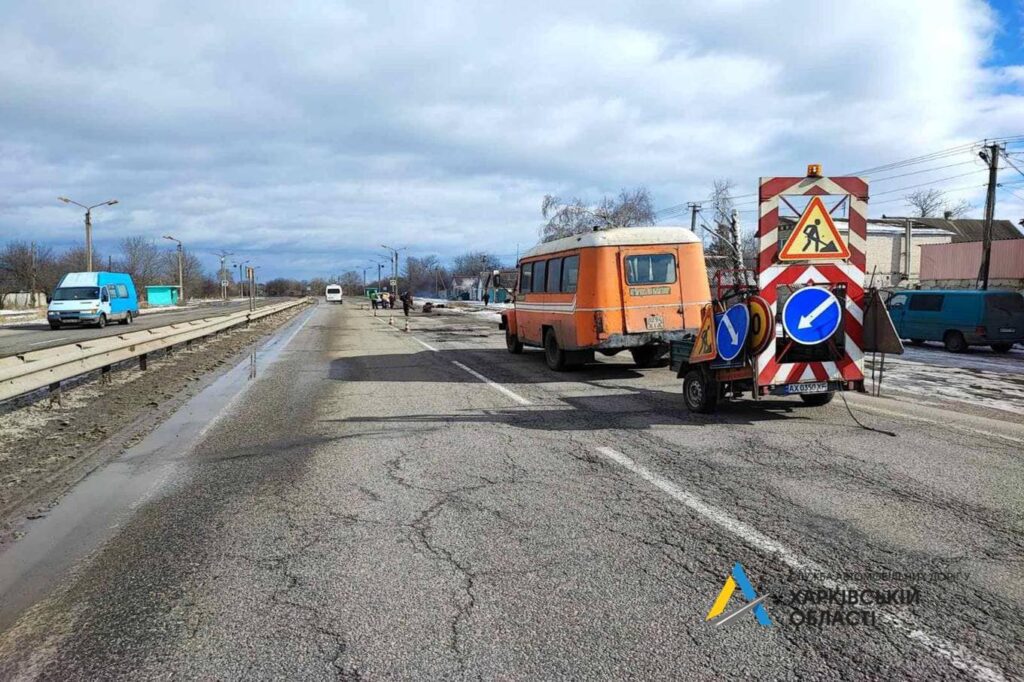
x,y
815,236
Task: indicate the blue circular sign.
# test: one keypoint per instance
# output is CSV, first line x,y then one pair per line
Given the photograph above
x,y
732,331
811,315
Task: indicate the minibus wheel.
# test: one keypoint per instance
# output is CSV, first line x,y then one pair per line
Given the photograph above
x,y
954,342
646,356
513,343
553,353
127,318
818,399
102,321
699,393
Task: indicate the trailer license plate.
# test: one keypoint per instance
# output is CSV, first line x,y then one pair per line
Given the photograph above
x,y
655,322
1007,330
816,387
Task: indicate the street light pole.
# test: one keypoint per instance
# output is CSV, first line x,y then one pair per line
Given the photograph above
x,y
181,271
88,226
394,261
224,275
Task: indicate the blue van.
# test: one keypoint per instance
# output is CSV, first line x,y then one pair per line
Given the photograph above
x,y
93,298
959,318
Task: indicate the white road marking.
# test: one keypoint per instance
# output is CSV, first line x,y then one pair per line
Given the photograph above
x,y
497,387
424,344
954,654
59,338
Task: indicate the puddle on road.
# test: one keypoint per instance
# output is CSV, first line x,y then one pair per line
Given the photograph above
x,y
90,513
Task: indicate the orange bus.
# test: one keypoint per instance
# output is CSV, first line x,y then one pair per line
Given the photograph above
x,y
627,288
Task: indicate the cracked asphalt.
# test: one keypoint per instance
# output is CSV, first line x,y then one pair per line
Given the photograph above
x,y
367,509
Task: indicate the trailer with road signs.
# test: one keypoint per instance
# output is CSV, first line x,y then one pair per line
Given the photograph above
x,y
799,330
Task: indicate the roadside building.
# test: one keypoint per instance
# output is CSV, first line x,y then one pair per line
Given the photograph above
x,y
465,289
160,295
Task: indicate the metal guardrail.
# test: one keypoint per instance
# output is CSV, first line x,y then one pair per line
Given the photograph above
x,y
34,370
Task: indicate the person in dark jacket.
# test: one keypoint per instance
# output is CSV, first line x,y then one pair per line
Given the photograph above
x,y
406,303
391,299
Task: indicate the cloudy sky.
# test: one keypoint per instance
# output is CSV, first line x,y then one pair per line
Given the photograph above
x,y
304,134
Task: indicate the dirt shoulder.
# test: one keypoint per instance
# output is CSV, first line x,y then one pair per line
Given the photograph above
x,y
45,449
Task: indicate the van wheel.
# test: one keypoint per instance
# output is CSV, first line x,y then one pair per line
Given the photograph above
x,y
916,342
699,393
102,322
646,356
818,399
954,342
553,353
1002,347
512,342
127,318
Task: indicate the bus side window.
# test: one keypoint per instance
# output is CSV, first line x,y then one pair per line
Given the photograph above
x,y
554,275
539,270
525,278
570,274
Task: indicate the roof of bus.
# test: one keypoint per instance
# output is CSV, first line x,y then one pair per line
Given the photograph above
x,y
617,236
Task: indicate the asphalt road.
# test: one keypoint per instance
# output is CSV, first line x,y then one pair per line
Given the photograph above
x,y
21,338
380,504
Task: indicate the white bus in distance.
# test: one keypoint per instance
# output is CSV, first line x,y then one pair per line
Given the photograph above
x,y
333,294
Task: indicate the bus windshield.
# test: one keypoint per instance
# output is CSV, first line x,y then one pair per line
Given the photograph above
x,y
76,294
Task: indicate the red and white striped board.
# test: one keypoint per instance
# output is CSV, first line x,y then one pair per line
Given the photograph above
x,y
772,273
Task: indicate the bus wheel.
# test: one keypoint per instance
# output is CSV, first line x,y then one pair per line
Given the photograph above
x,y
513,343
818,399
699,393
955,342
646,356
553,353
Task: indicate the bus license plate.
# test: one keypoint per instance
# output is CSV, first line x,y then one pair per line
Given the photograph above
x,y
655,322
815,387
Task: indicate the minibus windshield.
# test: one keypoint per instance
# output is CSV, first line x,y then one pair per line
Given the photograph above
x,y
76,294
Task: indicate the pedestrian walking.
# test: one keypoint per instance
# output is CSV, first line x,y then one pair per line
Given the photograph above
x,y
487,298
392,300
406,303
373,301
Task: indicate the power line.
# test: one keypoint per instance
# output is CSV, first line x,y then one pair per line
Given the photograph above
x,y
951,189
923,184
1013,165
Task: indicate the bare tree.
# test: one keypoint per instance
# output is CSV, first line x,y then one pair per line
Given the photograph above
x,y
926,202
143,260
957,210
629,209
475,262
351,282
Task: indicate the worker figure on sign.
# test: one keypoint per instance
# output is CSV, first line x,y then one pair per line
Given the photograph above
x,y
811,233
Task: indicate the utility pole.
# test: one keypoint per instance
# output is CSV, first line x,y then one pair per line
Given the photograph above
x,y
991,156
694,207
32,273
737,255
907,239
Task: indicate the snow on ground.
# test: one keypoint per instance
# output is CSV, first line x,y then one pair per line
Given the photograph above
x,y
933,375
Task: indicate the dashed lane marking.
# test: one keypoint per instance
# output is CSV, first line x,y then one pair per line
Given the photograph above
x,y
952,653
496,386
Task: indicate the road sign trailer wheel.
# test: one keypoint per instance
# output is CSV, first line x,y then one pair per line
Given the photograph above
x,y
700,392
647,356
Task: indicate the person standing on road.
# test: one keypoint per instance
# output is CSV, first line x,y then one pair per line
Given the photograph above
x,y
391,299
487,298
406,303
373,301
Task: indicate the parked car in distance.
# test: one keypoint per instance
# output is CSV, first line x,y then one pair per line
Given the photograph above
x,y
333,293
93,298
959,318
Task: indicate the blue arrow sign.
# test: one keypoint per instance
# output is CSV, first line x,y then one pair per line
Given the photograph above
x,y
811,315
732,331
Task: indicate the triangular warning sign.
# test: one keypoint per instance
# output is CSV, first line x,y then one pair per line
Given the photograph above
x,y
815,236
704,347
